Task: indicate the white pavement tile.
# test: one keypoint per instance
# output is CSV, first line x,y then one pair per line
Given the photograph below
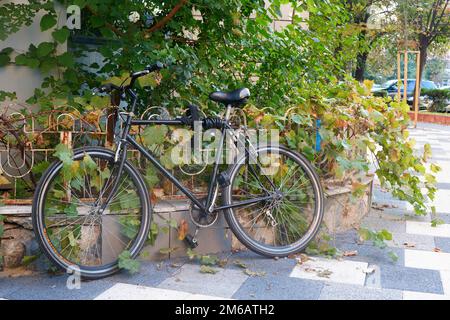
x,y
425,228
340,271
224,283
413,295
123,291
445,279
427,260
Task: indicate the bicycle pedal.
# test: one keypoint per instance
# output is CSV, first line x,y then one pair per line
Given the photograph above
x,y
191,241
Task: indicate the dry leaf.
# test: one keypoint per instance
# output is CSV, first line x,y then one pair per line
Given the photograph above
x,y
207,269
369,270
254,273
240,264
351,253
183,230
302,258
437,250
324,273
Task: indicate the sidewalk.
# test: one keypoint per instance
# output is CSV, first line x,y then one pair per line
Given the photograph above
x,y
421,272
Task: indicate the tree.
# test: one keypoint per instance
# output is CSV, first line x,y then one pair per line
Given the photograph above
x,y
427,22
370,20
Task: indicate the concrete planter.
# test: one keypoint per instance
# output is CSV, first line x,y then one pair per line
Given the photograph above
x,y
18,240
342,212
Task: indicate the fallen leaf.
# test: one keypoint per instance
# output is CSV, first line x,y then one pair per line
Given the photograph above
x,y
437,250
350,253
302,258
222,263
369,270
254,273
183,230
207,269
240,264
324,273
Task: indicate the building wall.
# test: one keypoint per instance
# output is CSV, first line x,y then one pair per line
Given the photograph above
x,y
21,79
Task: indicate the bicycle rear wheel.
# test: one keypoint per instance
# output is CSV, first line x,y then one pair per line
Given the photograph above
x,y
285,223
69,225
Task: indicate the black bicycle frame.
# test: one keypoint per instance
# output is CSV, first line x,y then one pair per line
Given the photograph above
x,y
126,139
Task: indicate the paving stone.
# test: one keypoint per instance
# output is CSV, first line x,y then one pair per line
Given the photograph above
x,y
333,270
444,217
224,283
443,244
150,274
413,295
255,262
371,254
445,279
122,291
53,288
382,223
338,291
279,288
425,228
411,279
427,260
405,240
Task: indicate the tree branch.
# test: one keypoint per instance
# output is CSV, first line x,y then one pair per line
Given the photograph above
x,y
160,24
107,24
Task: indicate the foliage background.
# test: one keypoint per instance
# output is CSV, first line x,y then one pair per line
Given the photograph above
x,y
295,75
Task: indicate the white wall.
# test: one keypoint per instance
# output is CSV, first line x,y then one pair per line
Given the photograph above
x,y
21,79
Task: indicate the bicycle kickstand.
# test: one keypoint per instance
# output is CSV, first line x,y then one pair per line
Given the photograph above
x,y
191,240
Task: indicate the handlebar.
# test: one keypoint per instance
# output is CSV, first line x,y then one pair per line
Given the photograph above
x,y
108,87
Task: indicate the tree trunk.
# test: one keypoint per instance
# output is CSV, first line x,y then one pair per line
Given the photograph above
x,y
361,62
423,48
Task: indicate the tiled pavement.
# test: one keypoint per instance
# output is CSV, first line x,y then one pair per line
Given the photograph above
x,y
421,272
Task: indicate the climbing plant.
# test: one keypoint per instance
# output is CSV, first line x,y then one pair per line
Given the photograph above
x,y
296,75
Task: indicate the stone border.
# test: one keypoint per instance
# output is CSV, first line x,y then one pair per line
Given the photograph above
x,y
431,118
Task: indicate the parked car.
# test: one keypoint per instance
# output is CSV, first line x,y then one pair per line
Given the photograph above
x,y
389,88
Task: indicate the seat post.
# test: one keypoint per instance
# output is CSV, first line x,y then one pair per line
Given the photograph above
x,y
228,112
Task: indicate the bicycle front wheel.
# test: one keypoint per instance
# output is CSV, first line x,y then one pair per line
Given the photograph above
x,y
70,226
290,211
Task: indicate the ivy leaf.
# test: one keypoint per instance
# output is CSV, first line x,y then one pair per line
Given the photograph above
x,y
4,60
153,234
66,60
61,35
151,177
154,134
89,163
47,65
127,263
71,210
172,223
63,153
386,234
44,48
99,102
393,256
47,21
23,60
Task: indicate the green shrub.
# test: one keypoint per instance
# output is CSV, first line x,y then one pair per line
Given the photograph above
x,y
440,97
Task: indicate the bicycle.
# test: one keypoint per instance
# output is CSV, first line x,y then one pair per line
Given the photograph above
x,y
85,222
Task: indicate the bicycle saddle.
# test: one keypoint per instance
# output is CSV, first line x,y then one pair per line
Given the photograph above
x,y
235,97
